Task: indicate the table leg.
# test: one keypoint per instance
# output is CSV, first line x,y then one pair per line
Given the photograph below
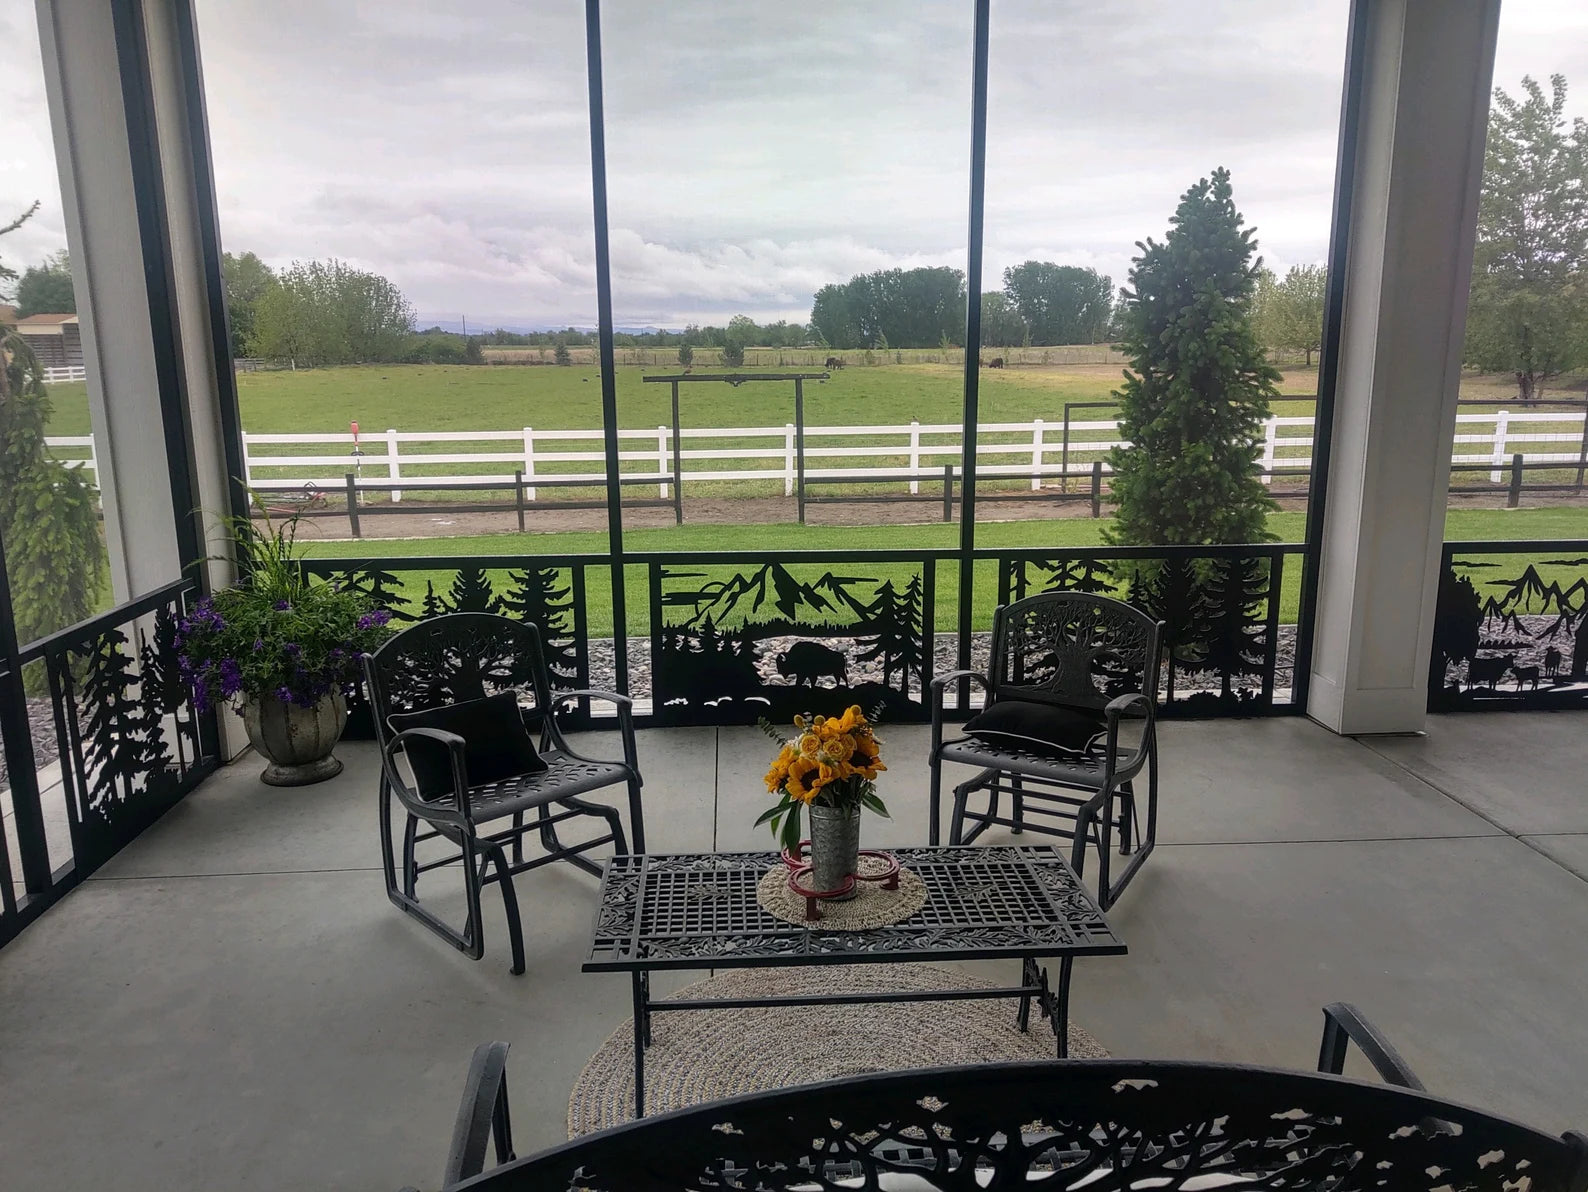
x,y
1028,978
642,1031
1061,1009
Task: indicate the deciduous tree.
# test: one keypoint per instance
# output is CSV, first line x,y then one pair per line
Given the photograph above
x,y
1288,314
47,289
1528,312
1001,324
1061,304
246,278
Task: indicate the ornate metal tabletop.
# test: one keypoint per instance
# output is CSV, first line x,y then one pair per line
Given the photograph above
x,y
699,910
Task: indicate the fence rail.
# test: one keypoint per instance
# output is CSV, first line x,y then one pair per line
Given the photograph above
x,y
1037,453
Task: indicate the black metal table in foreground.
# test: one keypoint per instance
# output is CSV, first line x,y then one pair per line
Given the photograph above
x,y
699,911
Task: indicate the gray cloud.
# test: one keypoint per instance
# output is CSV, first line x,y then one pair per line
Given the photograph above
x,y
757,149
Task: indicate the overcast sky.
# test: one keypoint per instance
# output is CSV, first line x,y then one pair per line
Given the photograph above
x,y
757,149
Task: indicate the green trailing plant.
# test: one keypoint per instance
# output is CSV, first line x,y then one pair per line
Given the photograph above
x,y
279,633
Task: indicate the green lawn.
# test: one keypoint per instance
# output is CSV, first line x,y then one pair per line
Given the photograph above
x,y
1466,524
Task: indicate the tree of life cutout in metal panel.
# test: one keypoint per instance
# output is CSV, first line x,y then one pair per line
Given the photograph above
x,y
1221,637
732,643
697,910
1510,631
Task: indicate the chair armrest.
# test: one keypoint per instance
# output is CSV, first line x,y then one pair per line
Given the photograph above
x,y
612,697
1113,713
1343,1024
938,686
625,706
943,681
481,1112
454,745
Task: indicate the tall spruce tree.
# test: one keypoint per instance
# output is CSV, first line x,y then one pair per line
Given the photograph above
x,y
1199,385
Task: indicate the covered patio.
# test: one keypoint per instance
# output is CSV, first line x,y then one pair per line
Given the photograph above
x,y
231,1001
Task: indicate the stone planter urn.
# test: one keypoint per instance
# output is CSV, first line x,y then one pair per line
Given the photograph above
x,y
835,846
295,740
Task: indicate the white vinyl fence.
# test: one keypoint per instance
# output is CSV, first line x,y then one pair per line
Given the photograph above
x,y
1030,451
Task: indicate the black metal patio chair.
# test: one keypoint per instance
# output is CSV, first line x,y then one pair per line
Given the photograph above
x,y
458,701
1098,1125
1067,670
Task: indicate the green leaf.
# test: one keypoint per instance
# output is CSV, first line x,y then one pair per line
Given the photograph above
x,y
770,813
872,803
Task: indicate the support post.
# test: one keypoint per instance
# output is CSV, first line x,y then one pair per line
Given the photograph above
x,y
788,459
948,492
661,461
1513,495
1036,455
1064,453
1097,489
1417,92
1270,444
352,505
799,447
1582,453
518,497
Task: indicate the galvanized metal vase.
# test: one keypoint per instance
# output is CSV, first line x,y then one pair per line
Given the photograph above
x,y
835,846
296,741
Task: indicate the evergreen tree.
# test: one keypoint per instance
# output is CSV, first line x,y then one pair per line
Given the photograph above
x,y
1458,620
471,592
122,741
433,605
1236,597
888,618
1198,389
540,598
164,689
1169,593
48,519
383,588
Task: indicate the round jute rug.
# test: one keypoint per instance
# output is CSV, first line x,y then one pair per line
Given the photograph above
x,y
703,1055
871,907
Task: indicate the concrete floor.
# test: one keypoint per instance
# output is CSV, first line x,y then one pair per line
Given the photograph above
x,y
233,1003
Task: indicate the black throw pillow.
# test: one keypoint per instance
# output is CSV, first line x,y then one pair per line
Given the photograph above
x,y
496,743
1037,727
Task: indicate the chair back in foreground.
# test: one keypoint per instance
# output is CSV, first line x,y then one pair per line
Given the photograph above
x,y
1101,1125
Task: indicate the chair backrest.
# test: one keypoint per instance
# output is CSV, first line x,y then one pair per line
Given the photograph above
x,y
1102,1125
1073,649
455,658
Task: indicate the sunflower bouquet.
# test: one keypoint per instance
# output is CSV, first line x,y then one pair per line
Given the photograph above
x,y
832,761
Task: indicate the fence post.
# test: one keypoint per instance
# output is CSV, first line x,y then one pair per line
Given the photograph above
x,y
1036,455
948,492
1513,497
1097,488
518,497
1270,442
391,466
248,466
799,447
788,459
915,455
352,505
529,460
661,459
1582,455
1502,421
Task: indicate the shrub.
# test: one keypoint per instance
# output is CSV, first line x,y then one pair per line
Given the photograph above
x,y
562,356
733,354
686,355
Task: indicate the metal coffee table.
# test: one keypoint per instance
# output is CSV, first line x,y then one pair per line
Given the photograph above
x,y
699,911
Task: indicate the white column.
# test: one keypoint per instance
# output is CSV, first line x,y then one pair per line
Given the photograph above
x,y
393,469
788,459
1419,161
1502,426
915,454
663,463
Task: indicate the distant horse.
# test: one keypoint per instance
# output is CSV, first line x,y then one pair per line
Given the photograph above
x,y
1525,674
997,362
1552,661
1487,672
834,362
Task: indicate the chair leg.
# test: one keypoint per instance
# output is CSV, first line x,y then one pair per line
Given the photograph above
x,y
410,865
388,860
518,838
548,831
1104,825
475,859
1127,817
636,819
515,931
1017,799
934,801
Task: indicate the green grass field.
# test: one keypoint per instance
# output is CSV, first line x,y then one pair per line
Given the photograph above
x,y
1461,525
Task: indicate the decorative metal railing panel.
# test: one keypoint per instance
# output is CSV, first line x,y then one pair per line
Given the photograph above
x,y
132,742
1511,627
742,635
1228,650
548,592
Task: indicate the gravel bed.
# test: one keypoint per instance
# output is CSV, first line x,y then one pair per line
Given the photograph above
x,y
41,717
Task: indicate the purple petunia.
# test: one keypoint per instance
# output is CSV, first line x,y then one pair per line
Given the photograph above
x,y
373,620
281,606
